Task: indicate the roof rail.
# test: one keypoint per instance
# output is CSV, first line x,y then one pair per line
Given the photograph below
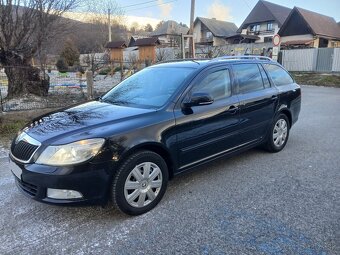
x,y
181,60
242,57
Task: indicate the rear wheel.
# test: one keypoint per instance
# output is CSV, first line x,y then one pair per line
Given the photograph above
x,y
140,183
279,133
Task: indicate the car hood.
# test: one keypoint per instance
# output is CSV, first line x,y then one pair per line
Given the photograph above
x,y
81,119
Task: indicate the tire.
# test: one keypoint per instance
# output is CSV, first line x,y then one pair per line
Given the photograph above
x,y
136,191
278,134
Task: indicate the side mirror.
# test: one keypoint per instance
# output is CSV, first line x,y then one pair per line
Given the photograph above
x,y
198,99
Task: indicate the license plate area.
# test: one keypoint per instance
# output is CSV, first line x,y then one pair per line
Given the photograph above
x,y
17,171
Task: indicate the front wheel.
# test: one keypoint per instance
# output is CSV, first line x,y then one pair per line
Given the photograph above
x,y
278,134
140,183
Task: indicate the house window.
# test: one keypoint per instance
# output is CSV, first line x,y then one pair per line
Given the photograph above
x,y
269,26
209,35
255,28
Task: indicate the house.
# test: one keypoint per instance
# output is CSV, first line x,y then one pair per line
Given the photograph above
x,y
212,31
262,23
307,29
169,32
147,48
116,50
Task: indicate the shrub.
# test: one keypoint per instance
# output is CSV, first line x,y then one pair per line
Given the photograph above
x,y
104,71
62,65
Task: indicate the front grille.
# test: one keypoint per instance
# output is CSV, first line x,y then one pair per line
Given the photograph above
x,y
23,150
30,189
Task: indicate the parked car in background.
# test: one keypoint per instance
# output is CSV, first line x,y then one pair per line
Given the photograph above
x,y
160,122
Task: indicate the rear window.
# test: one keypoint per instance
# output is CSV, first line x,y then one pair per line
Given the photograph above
x,y
249,77
279,76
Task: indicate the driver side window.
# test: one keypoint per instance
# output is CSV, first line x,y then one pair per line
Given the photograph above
x,y
216,84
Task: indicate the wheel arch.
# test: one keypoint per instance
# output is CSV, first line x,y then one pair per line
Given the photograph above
x,y
156,148
287,112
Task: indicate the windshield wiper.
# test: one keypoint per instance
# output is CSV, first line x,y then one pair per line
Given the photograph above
x,y
113,102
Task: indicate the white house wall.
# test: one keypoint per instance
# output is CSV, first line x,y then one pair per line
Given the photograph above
x,y
296,38
197,32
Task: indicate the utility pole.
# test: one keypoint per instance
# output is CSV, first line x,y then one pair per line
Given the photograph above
x,y
191,39
109,21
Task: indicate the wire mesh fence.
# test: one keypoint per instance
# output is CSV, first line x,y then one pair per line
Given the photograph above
x,y
63,89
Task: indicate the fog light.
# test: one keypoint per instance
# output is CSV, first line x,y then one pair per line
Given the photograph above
x,y
63,194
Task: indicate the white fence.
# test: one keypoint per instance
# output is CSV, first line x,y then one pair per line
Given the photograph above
x,y
312,60
300,60
336,60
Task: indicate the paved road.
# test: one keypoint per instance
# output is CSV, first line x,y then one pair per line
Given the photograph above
x,y
254,203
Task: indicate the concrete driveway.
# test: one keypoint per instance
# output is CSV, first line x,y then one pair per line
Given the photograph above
x,y
254,203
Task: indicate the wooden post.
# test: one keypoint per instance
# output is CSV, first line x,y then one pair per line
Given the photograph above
x,y
89,83
121,70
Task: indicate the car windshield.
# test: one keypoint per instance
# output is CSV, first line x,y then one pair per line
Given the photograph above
x,y
151,87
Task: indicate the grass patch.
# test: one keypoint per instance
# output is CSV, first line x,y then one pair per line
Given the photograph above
x,y
9,129
318,79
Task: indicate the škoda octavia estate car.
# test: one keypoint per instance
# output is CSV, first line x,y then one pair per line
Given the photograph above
x,y
159,122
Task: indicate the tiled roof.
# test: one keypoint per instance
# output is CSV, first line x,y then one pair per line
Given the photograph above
x,y
266,11
150,41
116,45
320,24
218,28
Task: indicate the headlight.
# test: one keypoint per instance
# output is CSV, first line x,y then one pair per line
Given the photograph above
x,y
71,153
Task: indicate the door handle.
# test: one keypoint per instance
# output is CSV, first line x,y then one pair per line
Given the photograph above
x,y
232,109
274,97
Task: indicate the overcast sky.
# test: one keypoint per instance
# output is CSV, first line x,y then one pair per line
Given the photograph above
x,y
228,10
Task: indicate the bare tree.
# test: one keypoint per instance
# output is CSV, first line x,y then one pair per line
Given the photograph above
x,y
25,28
162,54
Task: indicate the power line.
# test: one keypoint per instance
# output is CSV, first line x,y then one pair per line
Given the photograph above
x,y
245,1
127,6
151,6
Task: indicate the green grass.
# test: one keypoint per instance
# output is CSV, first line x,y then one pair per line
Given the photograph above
x,y
318,79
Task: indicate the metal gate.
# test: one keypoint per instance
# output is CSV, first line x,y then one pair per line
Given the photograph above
x,y
325,59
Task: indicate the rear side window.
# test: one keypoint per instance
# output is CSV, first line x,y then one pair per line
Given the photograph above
x,y
217,84
249,77
279,76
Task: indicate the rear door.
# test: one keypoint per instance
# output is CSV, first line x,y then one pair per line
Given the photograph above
x,y
258,101
289,91
208,130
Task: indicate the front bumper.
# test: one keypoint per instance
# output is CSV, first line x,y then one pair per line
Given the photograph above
x,y
91,180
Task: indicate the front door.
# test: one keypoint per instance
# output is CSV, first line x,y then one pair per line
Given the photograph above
x,y
206,131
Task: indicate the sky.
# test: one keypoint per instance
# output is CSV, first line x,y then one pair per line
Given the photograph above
x,y
229,10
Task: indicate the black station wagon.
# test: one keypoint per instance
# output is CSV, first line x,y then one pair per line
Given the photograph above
x,y
161,121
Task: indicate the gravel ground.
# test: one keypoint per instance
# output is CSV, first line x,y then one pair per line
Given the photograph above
x,y
254,203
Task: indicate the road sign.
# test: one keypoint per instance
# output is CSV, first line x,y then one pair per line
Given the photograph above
x,y
276,40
